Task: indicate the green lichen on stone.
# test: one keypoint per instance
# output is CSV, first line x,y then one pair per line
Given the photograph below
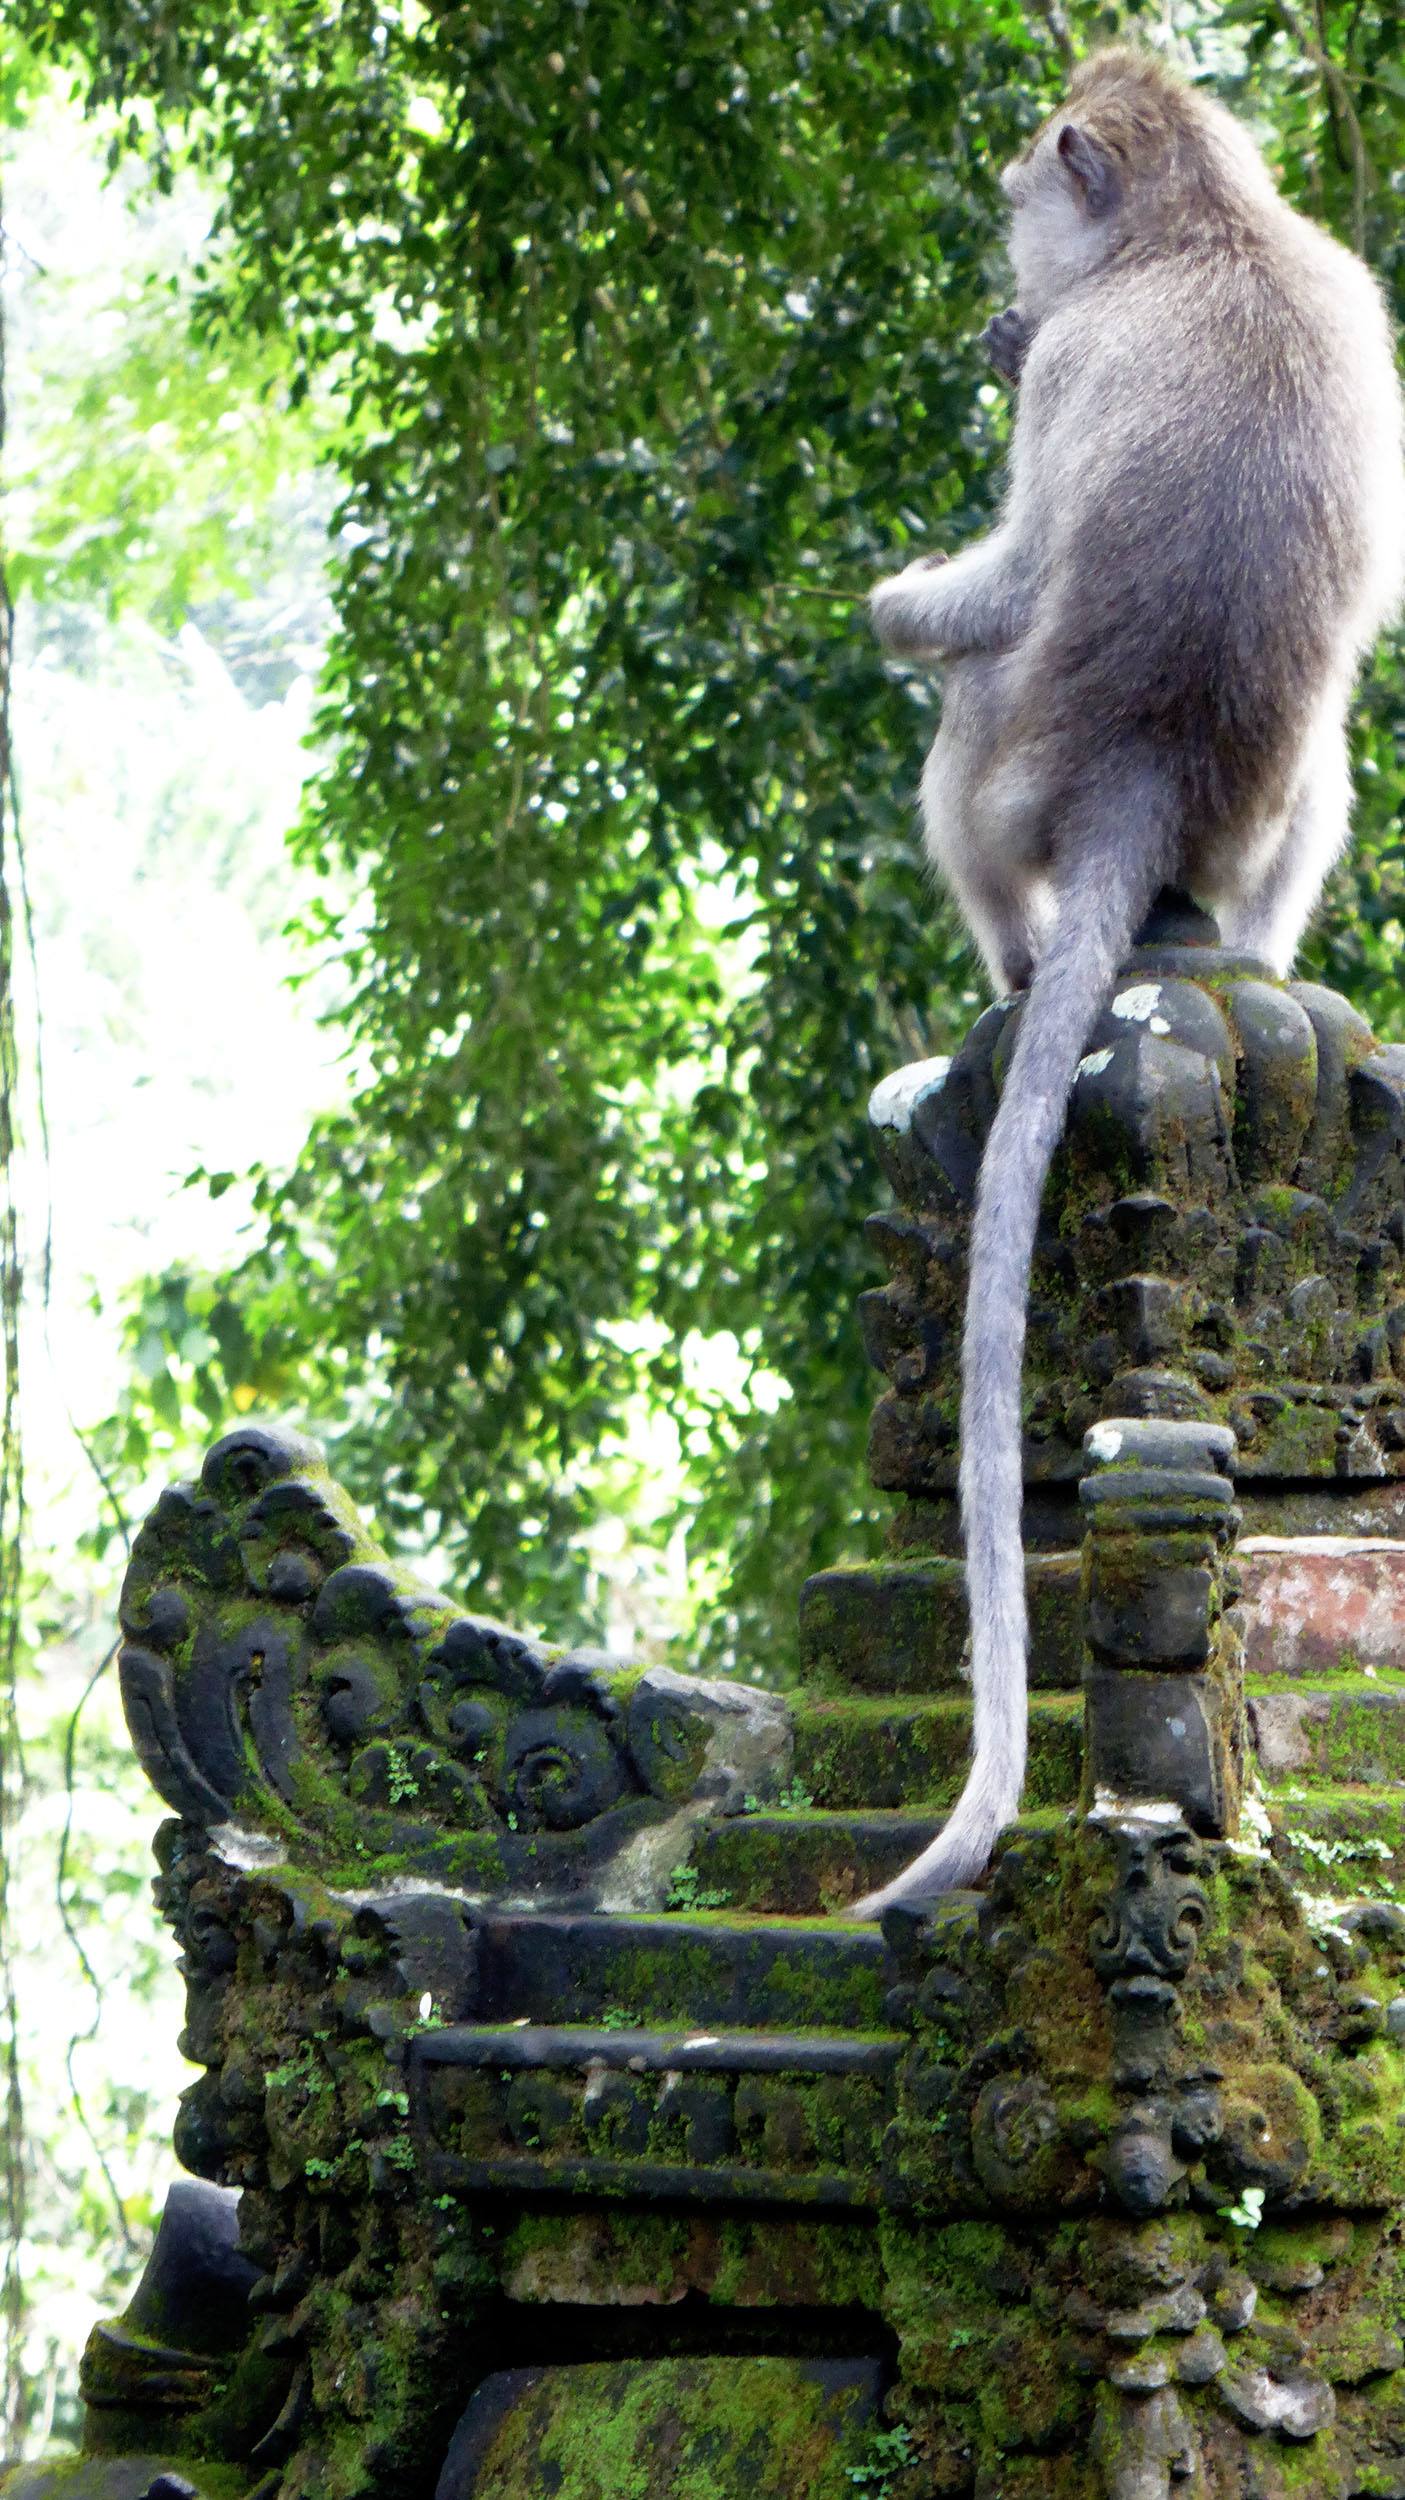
x,y
681,2429
878,1629
1346,1727
648,2260
856,1753
91,2477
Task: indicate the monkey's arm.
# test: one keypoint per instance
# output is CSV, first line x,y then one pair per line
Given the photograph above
x,y
982,600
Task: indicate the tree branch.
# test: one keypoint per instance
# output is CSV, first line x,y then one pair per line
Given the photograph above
x,y
1336,88
1058,30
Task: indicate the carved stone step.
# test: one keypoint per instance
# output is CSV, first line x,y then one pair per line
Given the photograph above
x,y
893,1628
692,2115
1351,1729
701,1970
856,1755
1311,1604
808,1863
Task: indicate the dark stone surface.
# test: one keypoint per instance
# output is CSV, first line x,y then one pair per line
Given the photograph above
x,y
194,2290
1231,1175
1155,1736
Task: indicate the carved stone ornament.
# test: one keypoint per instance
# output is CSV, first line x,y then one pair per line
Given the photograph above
x,y
280,1674
559,2131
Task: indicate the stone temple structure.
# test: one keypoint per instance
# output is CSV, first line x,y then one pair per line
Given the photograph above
x,y
557,2133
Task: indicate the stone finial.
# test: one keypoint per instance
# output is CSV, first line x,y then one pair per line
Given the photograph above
x,y
1221,1239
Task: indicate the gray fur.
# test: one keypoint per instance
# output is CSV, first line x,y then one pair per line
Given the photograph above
x,y
1154,653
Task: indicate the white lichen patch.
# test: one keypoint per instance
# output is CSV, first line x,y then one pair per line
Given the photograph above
x,y
894,1098
1139,1005
1094,1063
1108,1808
1255,1827
1104,1442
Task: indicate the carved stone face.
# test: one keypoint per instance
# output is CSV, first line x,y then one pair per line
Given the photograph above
x,y
1141,1945
279,1670
1144,1941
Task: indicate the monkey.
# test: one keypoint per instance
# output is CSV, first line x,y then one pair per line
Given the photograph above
x,y
1154,649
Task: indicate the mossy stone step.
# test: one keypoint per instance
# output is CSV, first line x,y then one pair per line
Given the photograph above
x,y
804,1864
709,1970
902,1627
855,1755
1342,1841
807,1863
858,1757
1343,1728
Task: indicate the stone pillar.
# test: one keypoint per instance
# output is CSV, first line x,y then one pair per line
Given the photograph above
x,y
1143,2181
1164,1680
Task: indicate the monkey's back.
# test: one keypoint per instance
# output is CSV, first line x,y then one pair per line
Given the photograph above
x,y
1219,495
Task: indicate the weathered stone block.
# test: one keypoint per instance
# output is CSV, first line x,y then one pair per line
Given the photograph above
x,y
1152,1736
1277,1083
1146,1608
904,1628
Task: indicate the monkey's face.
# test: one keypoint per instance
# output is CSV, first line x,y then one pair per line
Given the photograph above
x,y
1065,192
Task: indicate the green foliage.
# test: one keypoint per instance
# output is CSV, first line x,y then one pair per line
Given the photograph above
x,y
794,1798
889,2454
686,1891
650,339
649,353
1247,2211
190,501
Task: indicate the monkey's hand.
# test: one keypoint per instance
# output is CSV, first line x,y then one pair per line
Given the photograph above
x,y
1006,339
981,601
902,613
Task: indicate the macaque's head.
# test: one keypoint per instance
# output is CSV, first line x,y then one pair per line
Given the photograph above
x,y
1132,157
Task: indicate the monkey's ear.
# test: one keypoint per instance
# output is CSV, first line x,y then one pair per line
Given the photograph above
x,y
1093,171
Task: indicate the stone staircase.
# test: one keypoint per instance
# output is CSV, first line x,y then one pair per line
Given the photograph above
x,y
881,1737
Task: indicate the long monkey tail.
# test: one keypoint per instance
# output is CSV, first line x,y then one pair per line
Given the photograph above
x,y
1104,894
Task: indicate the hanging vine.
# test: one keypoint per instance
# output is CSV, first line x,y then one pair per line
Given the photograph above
x,y
12,1777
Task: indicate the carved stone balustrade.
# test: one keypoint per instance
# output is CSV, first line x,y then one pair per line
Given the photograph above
x,y
557,2131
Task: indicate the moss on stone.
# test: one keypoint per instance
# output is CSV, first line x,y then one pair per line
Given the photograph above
x,y
1348,1728
707,2429
859,1754
101,2478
